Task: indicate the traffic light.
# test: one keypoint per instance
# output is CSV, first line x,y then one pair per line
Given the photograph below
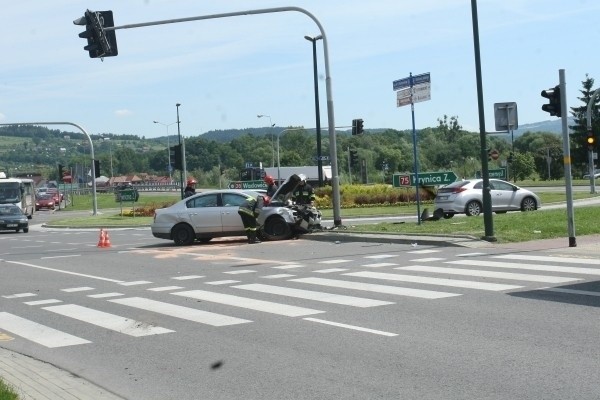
x,y
354,158
101,43
357,126
177,157
97,168
554,107
591,141
60,172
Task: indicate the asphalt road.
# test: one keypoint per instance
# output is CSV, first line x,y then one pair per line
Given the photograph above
x,y
301,319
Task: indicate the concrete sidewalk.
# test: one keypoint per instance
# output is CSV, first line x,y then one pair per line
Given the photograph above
x,y
36,380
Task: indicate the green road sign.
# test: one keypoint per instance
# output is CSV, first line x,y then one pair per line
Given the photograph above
x,y
126,195
248,185
499,173
425,179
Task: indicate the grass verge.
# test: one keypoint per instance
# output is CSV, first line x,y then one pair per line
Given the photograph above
x,y
7,392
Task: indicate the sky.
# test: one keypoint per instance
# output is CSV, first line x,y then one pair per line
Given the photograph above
x,y
226,71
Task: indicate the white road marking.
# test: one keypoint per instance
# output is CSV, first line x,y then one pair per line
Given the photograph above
x,y
77,289
225,282
423,251
70,255
277,276
187,277
42,302
187,313
378,265
380,256
105,295
19,295
547,268
317,296
330,270
353,327
134,283
427,259
252,304
64,272
113,322
239,271
491,274
434,281
471,254
290,266
572,260
334,261
38,333
165,288
370,287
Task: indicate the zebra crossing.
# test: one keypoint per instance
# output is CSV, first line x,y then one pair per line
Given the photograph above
x,y
361,282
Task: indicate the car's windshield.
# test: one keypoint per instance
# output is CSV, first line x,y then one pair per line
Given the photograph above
x,y
10,210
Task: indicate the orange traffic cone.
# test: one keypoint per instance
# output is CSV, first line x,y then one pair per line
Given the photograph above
x,y
102,238
106,239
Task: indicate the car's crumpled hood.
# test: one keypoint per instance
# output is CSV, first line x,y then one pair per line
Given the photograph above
x,y
285,190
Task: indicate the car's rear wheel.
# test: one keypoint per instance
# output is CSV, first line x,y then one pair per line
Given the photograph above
x,y
17,230
183,235
277,229
25,230
528,204
473,208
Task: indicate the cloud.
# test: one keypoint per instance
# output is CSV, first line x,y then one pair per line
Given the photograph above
x,y
2,117
123,113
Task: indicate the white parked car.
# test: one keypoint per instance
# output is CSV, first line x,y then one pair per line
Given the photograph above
x,y
466,197
596,175
214,214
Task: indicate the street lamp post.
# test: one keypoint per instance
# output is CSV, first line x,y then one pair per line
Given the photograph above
x,y
168,147
182,150
272,144
317,112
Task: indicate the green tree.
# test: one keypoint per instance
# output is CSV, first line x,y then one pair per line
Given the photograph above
x,y
523,166
579,149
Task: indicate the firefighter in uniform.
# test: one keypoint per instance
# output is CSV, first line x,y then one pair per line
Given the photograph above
x,y
271,186
248,211
303,194
190,189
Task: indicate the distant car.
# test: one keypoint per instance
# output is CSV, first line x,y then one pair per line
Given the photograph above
x,y
596,176
56,196
44,201
466,197
214,213
13,219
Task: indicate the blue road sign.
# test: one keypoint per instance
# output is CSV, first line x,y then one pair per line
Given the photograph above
x,y
416,79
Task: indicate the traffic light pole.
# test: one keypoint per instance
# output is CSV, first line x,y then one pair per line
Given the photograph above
x,y
488,220
592,169
567,159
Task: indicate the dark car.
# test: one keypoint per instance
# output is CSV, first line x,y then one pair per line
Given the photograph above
x,y
13,219
44,201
